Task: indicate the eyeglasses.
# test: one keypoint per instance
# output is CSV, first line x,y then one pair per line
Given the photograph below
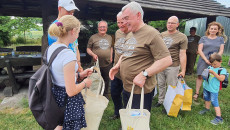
x,y
171,23
102,27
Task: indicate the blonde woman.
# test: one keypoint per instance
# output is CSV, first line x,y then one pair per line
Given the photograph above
x,y
208,44
64,69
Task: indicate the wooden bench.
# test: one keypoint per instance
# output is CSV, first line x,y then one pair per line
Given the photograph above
x,y
8,61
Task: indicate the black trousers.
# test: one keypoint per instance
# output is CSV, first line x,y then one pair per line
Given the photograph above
x,y
191,60
105,76
116,91
136,100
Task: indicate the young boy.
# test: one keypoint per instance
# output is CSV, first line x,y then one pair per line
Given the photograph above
x,y
212,86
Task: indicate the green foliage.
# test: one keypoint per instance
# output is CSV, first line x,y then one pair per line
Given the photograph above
x,y
5,29
91,29
12,26
20,40
162,25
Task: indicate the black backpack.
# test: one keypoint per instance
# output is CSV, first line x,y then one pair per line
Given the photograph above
x,y
41,100
223,84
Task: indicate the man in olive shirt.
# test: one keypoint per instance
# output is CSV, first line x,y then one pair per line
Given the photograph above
x,y
177,44
100,48
116,83
144,55
191,52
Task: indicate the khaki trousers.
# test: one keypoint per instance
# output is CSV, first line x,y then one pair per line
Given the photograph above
x,y
165,78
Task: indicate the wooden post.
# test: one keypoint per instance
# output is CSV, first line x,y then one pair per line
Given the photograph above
x,y
210,19
12,79
47,18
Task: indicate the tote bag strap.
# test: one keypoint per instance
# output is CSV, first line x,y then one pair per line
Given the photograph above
x,y
129,104
101,86
182,81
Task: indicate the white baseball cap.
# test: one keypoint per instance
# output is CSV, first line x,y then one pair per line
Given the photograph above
x,y
67,4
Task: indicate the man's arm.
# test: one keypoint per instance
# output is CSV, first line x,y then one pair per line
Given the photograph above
x,y
80,69
155,68
183,61
115,69
111,55
90,52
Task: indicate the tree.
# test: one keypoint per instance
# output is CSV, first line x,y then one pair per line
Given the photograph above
x,y
5,29
10,26
161,25
23,24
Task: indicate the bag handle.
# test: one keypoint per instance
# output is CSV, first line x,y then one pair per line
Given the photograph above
x,y
129,104
101,86
181,79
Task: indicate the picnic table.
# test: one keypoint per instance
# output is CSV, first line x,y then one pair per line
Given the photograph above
x,y
20,58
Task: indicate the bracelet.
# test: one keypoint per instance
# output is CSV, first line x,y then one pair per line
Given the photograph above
x,y
85,84
78,75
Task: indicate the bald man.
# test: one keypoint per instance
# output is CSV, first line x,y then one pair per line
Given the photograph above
x,y
176,43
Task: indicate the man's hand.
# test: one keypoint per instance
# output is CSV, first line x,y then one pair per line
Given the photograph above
x,y
80,69
95,57
181,74
113,71
139,80
111,59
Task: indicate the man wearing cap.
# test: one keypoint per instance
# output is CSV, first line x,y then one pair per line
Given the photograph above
x,y
67,7
100,48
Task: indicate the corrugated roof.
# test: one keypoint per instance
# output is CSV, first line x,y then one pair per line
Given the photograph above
x,y
107,9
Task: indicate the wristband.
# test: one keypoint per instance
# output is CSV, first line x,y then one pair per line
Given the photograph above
x,y
85,84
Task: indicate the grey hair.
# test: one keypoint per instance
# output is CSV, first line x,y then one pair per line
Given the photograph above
x,y
134,7
119,14
102,21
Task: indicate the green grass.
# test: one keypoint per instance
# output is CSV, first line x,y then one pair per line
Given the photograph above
x,y
186,120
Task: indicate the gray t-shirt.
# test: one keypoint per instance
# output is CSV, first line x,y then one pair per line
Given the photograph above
x,y
211,45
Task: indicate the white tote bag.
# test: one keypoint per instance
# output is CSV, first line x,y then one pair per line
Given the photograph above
x,y
173,99
135,119
95,105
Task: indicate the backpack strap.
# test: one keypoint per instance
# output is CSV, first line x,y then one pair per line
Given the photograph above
x,y
221,68
55,53
53,56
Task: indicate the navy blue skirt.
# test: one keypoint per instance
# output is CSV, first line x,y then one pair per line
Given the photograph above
x,y
74,115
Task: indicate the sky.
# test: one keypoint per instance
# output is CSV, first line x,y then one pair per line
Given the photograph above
x,y
224,2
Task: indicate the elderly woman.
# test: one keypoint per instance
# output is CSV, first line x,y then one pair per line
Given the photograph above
x,y
208,44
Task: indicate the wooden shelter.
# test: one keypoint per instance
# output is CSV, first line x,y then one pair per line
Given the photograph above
x,y
108,9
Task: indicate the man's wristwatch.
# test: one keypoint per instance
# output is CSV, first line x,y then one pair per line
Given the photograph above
x,y
145,73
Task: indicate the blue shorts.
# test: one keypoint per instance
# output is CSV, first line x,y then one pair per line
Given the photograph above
x,y
213,97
